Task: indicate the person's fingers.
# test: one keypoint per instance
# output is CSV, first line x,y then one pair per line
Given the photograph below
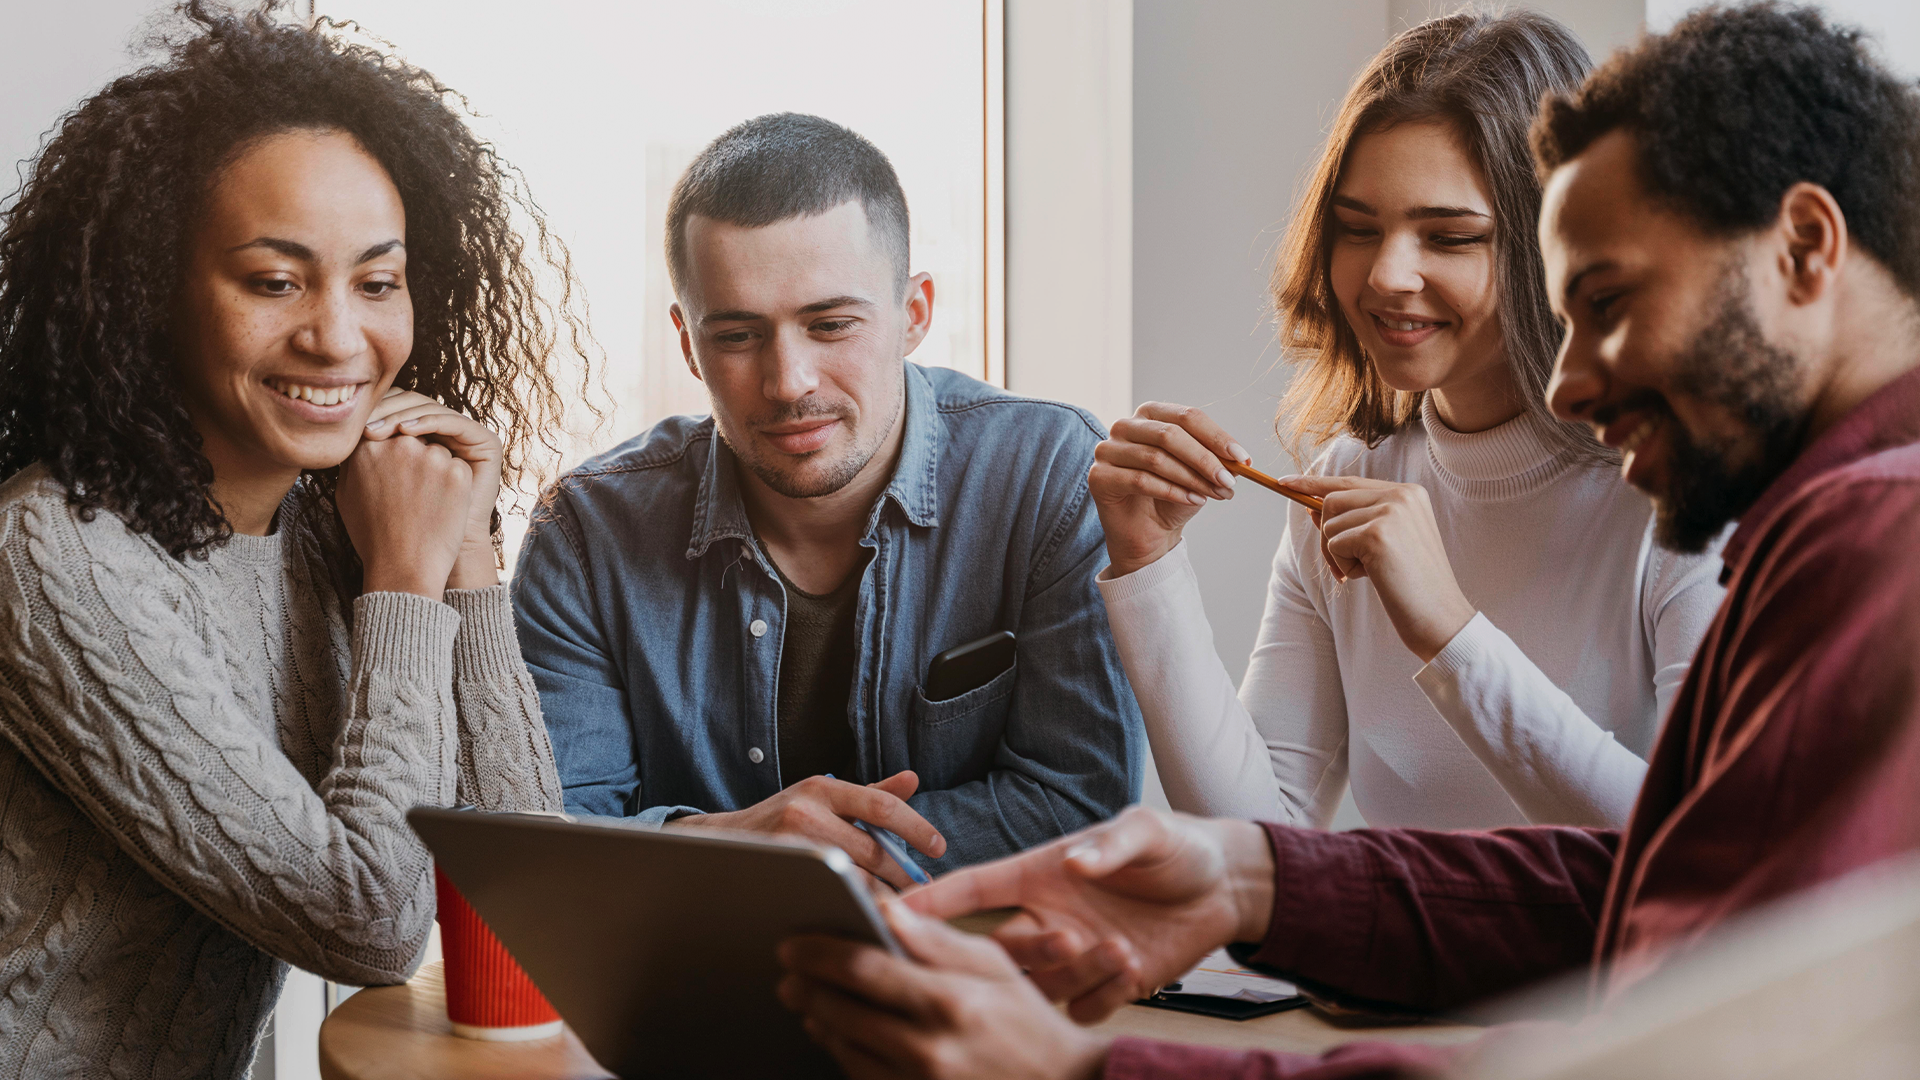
x,y
1348,520
1343,569
833,1016
464,436
1034,945
940,946
1179,445
877,807
822,825
395,400
1326,485
1112,481
900,785
981,887
1197,423
380,426
1107,998
1202,478
889,982
447,422
878,887
1353,538
1087,972
1103,849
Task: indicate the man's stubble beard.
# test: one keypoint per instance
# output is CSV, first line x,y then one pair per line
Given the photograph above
x,y
1729,364
842,472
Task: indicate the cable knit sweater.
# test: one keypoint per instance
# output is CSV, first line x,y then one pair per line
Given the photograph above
x,y
204,778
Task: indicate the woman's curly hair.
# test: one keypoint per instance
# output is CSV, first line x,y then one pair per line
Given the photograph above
x,y
93,249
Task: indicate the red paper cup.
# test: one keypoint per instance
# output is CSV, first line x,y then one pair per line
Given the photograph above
x,y
488,996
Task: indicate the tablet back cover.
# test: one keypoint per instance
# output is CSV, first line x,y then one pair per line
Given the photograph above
x,y
656,946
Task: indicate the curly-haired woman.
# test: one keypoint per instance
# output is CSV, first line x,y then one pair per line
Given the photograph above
x,y
1479,627
261,307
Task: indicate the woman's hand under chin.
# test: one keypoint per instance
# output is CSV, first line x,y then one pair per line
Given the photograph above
x,y
1386,532
423,483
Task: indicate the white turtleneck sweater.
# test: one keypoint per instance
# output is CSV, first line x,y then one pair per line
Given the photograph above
x,y
1541,710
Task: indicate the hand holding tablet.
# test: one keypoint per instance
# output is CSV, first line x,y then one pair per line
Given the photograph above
x,y
658,946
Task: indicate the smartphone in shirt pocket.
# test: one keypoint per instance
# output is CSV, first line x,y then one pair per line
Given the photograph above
x,y
968,667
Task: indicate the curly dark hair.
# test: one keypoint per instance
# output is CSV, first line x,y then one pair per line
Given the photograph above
x,y
93,248
1735,105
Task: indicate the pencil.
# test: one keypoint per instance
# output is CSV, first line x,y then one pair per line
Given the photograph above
x,y
1309,501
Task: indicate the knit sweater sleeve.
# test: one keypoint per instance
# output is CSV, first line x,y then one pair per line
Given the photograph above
x,y
1554,761
1276,750
506,760
114,682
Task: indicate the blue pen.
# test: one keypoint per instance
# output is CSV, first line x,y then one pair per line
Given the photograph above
x,y
892,845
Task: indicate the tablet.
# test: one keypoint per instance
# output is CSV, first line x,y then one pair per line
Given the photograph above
x,y
657,945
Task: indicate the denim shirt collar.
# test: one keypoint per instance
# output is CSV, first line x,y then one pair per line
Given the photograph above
x,y
720,512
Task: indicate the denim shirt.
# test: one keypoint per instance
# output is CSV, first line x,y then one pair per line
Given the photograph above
x,y
653,624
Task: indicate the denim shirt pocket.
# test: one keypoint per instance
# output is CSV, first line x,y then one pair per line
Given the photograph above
x,y
955,740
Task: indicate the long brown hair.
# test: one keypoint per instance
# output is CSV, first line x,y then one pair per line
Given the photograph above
x,y
1483,74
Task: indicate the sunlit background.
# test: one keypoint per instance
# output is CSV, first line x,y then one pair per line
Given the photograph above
x,y
603,105
1096,185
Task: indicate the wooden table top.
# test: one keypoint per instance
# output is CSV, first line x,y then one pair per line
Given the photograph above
x,y
401,1033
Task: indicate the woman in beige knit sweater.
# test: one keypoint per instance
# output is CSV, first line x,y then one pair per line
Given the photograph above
x,y
261,313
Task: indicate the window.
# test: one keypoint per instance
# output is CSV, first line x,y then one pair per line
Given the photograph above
x,y
602,105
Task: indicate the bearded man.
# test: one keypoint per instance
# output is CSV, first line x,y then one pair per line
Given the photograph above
x,y
1731,231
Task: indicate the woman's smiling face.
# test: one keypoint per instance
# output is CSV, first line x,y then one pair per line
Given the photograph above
x,y
294,314
1412,260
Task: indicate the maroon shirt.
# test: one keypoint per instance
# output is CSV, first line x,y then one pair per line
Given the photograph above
x,y
1791,757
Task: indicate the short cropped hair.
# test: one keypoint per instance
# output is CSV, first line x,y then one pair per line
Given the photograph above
x,y
1736,104
782,166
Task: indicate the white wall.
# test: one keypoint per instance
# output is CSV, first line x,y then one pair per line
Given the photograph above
x,y
1069,181
1604,25
1230,102
53,56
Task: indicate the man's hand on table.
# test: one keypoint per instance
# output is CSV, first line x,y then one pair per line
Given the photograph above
x,y
823,810
958,1009
1115,911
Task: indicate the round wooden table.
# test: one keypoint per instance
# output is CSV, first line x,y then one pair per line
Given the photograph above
x,y
401,1033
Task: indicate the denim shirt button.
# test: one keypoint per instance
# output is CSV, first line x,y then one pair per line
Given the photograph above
x,y
754,753
758,628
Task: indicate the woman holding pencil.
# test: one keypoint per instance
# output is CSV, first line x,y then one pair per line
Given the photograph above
x,y
1476,626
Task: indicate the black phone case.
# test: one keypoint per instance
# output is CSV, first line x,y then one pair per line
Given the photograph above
x,y
1224,1008
969,666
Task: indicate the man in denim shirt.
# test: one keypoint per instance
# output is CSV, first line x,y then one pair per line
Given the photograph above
x,y
725,608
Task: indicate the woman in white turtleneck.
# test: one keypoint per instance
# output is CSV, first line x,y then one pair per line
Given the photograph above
x,y
1478,629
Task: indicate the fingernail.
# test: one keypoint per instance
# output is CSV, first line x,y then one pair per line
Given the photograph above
x,y
376,425
1224,477
1085,854
1239,452
1289,478
1196,498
